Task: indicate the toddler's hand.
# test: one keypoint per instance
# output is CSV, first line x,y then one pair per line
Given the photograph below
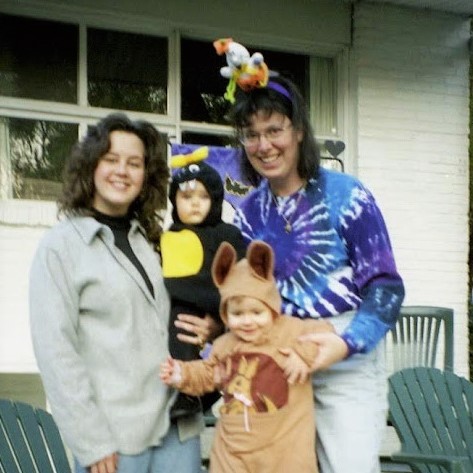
x,y
295,368
170,372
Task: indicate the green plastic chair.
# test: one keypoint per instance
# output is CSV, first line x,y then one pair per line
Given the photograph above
x,y
29,440
432,412
414,340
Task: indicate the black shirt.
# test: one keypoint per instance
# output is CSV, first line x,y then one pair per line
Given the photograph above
x,y
120,227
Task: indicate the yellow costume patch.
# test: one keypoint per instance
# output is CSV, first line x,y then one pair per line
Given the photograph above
x,y
182,254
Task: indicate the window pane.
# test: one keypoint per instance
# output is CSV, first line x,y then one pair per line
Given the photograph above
x,y
38,59
34,152
324,96
127,71
293,66
204,139
203,87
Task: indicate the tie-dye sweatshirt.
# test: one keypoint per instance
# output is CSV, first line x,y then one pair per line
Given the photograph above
x,y
336,258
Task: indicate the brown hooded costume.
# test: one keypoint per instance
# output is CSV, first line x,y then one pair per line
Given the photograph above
x,y
266,425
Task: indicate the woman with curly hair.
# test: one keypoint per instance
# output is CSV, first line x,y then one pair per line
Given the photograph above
x,y
99,308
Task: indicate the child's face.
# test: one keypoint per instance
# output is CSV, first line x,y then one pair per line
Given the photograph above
x,y
193,203
248,318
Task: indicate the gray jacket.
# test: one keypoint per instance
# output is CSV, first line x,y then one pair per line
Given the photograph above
x,y
99,337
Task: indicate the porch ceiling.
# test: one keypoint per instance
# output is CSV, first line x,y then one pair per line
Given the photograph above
x,y
463,7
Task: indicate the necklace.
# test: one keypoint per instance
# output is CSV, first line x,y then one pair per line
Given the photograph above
x,y
288,225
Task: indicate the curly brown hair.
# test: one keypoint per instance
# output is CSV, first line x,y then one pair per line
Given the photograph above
x,y
78,183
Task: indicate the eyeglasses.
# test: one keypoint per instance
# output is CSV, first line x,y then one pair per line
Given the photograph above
x,y
251,139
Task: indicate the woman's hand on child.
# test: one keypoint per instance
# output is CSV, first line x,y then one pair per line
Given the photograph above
x,y
170,372
295,368
332,349
202,330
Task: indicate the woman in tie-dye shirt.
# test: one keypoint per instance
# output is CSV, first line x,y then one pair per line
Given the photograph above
x,y
333,260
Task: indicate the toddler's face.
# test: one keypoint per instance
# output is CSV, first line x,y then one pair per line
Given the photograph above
x,y
248,318
193,203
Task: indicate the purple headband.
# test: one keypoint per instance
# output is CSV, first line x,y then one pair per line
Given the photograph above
x,y
279,88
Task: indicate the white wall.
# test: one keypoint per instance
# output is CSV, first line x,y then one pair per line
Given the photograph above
x,y
412,85
17,246
18,370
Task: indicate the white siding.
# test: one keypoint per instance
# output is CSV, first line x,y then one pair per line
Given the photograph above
x,y
411,69
17,246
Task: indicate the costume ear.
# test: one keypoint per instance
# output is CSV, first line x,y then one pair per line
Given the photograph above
x,y
223,261
260,257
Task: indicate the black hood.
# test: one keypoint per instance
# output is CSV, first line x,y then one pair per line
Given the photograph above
x,y
211,180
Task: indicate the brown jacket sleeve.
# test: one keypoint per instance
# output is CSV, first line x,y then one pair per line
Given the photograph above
x,y
198,377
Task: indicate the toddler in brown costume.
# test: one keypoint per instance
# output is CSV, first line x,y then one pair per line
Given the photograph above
x,y
266,422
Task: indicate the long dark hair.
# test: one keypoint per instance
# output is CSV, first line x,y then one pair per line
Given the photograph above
x,y
270,100
78,183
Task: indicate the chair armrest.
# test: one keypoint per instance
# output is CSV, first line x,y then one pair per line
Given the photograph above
x,y
453,464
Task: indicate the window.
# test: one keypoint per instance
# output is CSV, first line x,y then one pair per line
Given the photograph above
x,y
36,156
202,86
127,71
59,82
38,59
208,139
324,96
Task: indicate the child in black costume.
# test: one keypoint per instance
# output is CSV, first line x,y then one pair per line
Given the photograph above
x,y
188,249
